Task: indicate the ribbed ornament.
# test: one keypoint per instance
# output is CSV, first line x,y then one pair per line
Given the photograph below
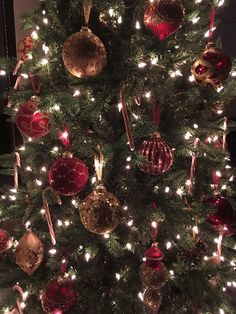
x,y
158,153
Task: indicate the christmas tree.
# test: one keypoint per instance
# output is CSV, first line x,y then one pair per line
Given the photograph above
x,y
123,198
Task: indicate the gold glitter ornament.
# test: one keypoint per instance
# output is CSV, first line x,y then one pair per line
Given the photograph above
x,y
152,301
100,212
84,54
29,253
153,278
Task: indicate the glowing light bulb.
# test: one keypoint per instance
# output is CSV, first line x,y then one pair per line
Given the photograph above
x,y
137,25
87,257
142,65
168,245
2,72
52,251
129,246
45,20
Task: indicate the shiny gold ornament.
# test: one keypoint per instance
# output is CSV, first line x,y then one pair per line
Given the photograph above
x,y
153,278
100,212
152,301
212,67
29,253
84,54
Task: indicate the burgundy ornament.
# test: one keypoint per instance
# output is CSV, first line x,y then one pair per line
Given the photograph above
x,y
212,67
164,17
68,175
59,297
224,216
31,122
158,153
6,241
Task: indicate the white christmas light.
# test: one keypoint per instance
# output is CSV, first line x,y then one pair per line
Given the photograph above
x,y
44,169
148,95
22,148
188,135
52,251
195,20
221,311
42,211
118,276
106,236
45,21
59,223
25,75
129,158
111,12
191,78
207,34
142,65
206,258
178,237
87,257
195,229
12,197
223,289
195,126
219,89
168,245
27,224
44,61
137,25
130,223
167,189
22,305
140,295
125,207
38,182
119,20
56,108
220,3
129,246
34,35
13,190
119,106
154,61
76,93
2,72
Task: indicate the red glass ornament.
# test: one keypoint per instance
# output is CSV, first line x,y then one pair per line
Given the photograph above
x,y
164,17
31,122
153,256
158,153
59,297
68,176
224,216
6,241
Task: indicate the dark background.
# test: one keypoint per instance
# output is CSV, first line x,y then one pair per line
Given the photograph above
x,y
226,31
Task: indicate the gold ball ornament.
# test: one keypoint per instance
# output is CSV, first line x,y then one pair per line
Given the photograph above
x,y
29,253
212,67
153,278
84,54
152,301
100,212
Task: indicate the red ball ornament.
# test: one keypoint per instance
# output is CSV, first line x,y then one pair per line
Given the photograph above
x,y
158,153
6,241
30,121
68,175
59,296
212,67
164,17
224,216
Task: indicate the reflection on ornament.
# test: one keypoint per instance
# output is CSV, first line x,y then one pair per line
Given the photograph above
x,y
212,67
29,253
100,212
32,122
84,54
164,17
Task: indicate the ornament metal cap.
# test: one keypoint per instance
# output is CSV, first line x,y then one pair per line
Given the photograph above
x,y
67,155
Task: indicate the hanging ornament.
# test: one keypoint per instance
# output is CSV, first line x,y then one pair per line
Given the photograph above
x,y
30,121
68,175
6,241
224,216
153,273
24,46
158,153
100,212
29,253
212,67
152,301
164,17
59,296
84,54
